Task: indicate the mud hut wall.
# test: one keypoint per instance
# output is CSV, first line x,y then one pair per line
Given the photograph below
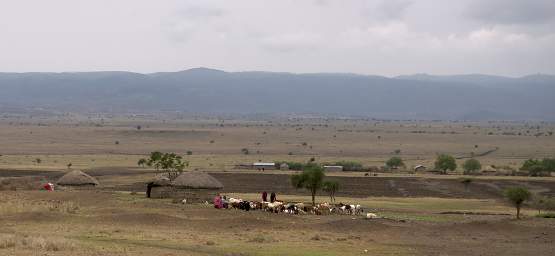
x,y
192,195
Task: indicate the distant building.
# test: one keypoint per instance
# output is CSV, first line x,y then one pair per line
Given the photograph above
x,y
333,168
264,166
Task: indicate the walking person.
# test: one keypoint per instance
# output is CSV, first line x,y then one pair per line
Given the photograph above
x,y
264,196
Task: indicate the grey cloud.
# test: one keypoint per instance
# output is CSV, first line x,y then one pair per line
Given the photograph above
x,y
386,9
512,12
393,9
200,12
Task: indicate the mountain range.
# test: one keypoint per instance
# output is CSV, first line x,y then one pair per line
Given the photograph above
x,y
203,90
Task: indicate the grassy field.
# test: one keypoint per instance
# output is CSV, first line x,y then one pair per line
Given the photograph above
x,y
107,223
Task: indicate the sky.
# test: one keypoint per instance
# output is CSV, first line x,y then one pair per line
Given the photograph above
x,y
378,37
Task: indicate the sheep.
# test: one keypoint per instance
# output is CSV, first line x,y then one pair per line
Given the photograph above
x,y
371,216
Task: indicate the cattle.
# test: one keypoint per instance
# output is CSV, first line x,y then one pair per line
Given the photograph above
x,y
296,208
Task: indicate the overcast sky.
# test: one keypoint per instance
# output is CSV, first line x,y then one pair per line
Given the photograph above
x,y
381,37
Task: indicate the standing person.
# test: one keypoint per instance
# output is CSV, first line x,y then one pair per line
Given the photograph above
x,y
264,196
272,197
218,201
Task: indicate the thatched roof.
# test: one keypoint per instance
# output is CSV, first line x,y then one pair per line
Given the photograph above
x,y
77,178
160,180
196,180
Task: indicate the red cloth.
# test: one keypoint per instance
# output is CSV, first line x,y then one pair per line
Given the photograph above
x,y
48,186
218,202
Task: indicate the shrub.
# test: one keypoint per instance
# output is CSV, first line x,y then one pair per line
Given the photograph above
x,y
245,151
472,166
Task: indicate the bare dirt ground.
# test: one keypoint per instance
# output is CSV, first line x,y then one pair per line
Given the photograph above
x,y
135,179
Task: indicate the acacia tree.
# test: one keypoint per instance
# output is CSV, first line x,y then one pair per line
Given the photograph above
x,y
445,162
311,179
170,163
331,186
517,196
472,166
395,162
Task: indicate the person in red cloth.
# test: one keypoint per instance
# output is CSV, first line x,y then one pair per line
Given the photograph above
x,y
218,202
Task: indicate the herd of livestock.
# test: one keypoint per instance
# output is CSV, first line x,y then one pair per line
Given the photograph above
x,y
292,208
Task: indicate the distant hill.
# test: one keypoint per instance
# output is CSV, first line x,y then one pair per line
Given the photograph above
x,y
471,97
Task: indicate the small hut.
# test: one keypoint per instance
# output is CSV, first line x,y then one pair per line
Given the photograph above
x,y
419,168
77,179
193,186
284,167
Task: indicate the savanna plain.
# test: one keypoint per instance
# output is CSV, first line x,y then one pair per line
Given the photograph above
x,y
420,213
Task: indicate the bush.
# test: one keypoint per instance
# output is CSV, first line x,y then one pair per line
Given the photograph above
x,y
395,162
472,166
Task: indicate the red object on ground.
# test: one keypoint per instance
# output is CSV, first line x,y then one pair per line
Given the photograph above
x,y
49,186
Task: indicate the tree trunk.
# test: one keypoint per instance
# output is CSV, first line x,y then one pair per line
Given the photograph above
x,y
518,211
313,196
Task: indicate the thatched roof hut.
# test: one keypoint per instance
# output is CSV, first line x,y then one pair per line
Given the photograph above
x,y
77,178
196,180
193,186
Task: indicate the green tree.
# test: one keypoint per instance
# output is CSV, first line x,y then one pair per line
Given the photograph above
x,y
155,160
395,162
536,167
528,164
543,203
445,163
170,163
311,179
517,196
472,166
331,186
